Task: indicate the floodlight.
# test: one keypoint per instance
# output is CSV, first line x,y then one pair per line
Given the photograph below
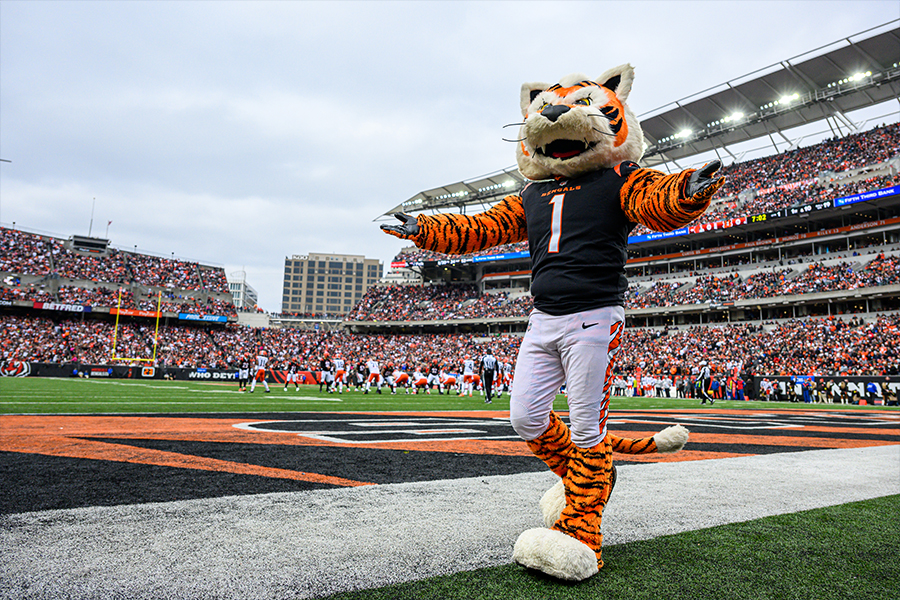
x,y
789,99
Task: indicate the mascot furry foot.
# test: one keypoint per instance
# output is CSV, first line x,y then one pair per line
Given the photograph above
x,y
669,440
573,509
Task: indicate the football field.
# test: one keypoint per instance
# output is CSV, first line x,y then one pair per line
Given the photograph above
x,y
136,489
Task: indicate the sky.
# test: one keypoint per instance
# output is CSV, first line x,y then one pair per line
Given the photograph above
x,y
238,134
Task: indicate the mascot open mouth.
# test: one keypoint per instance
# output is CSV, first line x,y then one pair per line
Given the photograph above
x,y
564,149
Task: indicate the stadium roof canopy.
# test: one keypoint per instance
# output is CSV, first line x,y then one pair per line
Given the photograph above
x,y
826,83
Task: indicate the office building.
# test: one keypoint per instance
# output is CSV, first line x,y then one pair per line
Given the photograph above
x,y
327,283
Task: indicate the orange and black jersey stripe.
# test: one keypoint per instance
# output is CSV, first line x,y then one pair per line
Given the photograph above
x,y
577,230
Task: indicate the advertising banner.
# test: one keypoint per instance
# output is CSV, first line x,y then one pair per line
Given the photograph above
x,y
62,307
506,256
206,318
130,312
891,191
212,374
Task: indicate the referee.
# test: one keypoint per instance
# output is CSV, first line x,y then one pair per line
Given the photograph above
x,y
705,378
488,368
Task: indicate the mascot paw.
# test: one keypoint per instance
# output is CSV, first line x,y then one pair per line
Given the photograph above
x,y
555,554
671,439
553,502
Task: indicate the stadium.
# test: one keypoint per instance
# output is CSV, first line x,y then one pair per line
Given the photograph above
x,y
138,470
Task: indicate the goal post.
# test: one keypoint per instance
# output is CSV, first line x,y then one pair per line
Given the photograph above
x,y
155,333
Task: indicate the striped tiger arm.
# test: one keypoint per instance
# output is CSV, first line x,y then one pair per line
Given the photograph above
x,y
449,233
657,200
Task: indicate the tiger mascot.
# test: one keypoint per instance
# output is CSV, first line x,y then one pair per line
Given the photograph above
x,y
579,146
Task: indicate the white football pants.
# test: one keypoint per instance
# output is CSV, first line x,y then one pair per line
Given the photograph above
x,y
577,350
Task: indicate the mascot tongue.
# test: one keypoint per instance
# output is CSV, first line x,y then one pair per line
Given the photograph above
x,y
569,154
565,148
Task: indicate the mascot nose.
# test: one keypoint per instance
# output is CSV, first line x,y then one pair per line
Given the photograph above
x,y
554,111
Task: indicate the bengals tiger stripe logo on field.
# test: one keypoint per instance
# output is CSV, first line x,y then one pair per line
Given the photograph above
x,y
15,368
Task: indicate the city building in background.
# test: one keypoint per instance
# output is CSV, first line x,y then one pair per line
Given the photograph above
x,y
327,283
245,297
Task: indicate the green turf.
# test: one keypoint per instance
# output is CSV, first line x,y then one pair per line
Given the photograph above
x,y
843,552
37,395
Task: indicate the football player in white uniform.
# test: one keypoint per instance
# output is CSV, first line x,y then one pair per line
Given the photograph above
x,y
468,376
340,374
374,375
261,362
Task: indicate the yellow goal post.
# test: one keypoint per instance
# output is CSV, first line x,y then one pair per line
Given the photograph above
x,y
155,334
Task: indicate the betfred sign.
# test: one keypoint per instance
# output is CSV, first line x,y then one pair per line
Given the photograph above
x,y
62,307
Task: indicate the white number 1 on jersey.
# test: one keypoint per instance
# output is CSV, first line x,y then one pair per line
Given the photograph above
x,y
556,222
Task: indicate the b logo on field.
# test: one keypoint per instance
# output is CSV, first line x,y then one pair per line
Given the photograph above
x,y
403,429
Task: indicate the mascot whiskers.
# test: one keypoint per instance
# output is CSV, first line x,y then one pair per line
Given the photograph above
x,y
579,146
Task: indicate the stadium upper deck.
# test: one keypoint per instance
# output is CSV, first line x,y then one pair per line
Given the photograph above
x,y
807,223
39,270
773,105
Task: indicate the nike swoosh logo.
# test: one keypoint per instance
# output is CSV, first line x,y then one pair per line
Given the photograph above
x,y
585,326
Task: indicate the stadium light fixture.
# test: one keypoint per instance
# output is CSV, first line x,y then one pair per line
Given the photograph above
x,y
684,133
789,99
853,78
732,118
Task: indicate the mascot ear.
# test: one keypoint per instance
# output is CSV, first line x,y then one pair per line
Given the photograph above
x,y
619,80
529,93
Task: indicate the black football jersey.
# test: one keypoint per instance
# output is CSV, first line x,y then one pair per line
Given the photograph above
x,y
577,235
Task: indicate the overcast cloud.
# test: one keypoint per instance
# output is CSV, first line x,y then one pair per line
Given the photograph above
x,y
240,133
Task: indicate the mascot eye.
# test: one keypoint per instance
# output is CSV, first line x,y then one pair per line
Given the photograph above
x,y
582,102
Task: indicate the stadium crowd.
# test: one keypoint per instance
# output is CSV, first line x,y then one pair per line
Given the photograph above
x,y
101,296
71,265
23,253
26,253
434,302
781,181
816,277
853,151
826,346
452,302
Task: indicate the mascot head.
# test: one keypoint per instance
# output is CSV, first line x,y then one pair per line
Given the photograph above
x,y
578,125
